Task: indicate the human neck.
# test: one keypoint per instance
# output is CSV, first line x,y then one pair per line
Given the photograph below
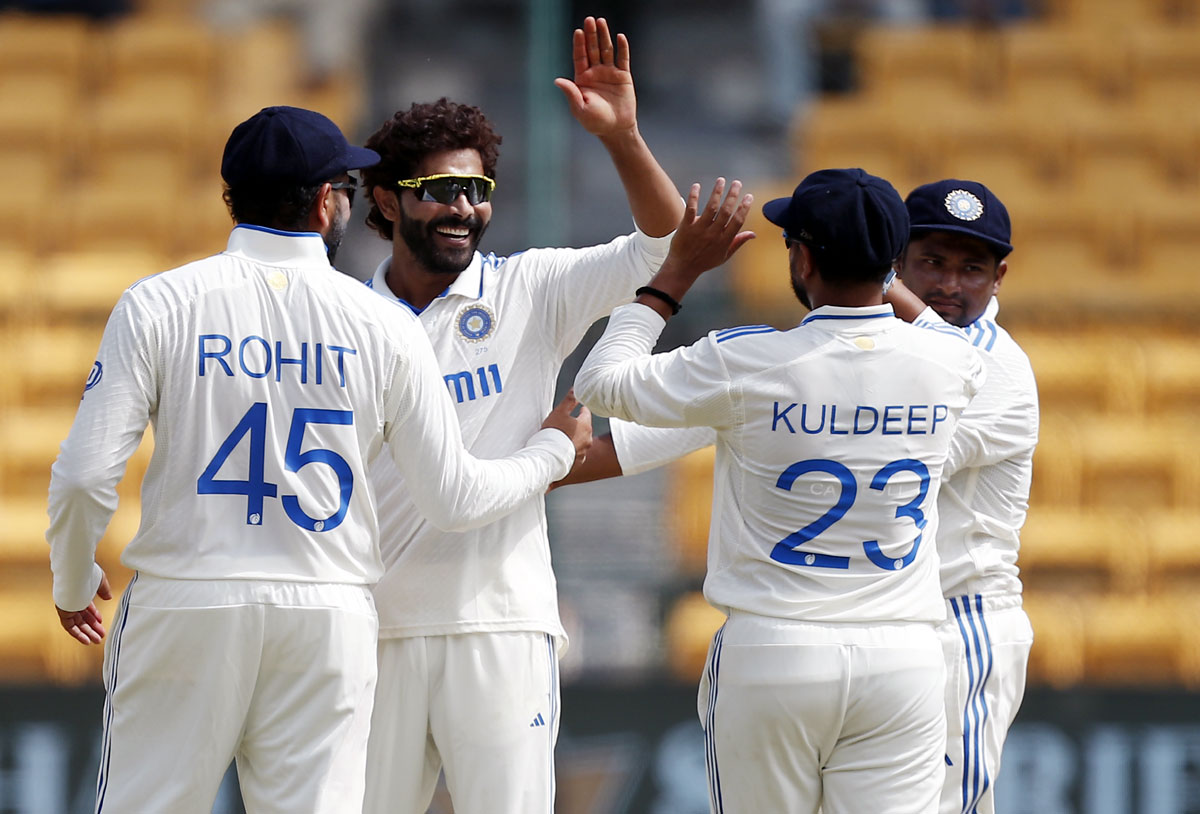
x,y
409,280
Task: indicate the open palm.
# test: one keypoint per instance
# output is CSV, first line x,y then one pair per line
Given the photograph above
x,y
601,97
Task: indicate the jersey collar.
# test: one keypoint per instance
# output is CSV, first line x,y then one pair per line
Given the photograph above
x,y
277,248
835,315
469,282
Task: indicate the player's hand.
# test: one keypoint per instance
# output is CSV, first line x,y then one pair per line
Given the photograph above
x,y
601,97
706,239
577,427
86,626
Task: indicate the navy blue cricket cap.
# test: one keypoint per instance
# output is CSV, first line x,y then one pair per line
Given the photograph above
x,y
848,217
966,207
290,145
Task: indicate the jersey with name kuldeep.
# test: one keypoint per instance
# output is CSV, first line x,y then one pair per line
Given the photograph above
x,y
271,381
831,438
986,495
501,332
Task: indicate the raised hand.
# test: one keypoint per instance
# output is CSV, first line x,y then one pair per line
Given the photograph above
x,y
601,97
706,239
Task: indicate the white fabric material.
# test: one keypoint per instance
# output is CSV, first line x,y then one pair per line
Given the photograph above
x,y
263,365
501,332
986,493
289,696
844,718
486,707
863,472
986,642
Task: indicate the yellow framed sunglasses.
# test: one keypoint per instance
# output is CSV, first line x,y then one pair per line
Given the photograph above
x,y
446,187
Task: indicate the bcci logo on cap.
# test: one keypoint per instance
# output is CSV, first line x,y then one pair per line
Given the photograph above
x,y
475,323
963,205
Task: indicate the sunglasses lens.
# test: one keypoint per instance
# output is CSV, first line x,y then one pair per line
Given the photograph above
x,y
447,190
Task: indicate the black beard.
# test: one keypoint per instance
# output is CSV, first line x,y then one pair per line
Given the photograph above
x,y
418,235
337,231
801,294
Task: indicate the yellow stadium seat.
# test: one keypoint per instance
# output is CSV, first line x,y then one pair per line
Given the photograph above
x,y
1057,462
126,218
943,61
759,271
1056,658
1141,641
31,437
1174,552
1166,67
87,284
39,112
159,44
55,360
43,44
857,132
1080,373
1138,464
690,508
690,626
1172,381
1045,64
1075,550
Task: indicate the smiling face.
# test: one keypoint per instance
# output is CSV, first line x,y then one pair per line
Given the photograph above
x,y
442,238
954,274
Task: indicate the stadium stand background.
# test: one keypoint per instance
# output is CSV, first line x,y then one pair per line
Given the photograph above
x,y
1081,114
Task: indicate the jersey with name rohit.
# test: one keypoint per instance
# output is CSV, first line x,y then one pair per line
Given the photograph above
x,y
831,438
271,382
501,332
984,501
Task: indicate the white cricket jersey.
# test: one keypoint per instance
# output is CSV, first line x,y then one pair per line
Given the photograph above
x,y
271,381
985,495
831,439
500,332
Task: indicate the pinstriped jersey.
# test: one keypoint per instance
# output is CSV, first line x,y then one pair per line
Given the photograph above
x,y
831,439
271,382
986,495
500,331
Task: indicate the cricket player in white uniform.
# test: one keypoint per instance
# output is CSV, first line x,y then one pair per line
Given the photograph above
x,y
248,630
470,634
824,688
954,263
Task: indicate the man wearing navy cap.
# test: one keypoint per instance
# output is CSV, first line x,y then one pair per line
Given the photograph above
x,y
248,630
955,262
824,688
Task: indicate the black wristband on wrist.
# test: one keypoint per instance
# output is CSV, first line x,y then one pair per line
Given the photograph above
x,y
671,302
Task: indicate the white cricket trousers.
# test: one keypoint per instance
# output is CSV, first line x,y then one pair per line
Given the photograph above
x,y
277,675
986,640
844,718
484,706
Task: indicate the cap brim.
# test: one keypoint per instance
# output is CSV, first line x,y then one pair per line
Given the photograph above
x,y
775,210
359,157
999,245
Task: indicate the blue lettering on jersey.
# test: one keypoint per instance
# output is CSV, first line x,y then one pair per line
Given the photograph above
x,y
256,358
462,384
94,376
892,419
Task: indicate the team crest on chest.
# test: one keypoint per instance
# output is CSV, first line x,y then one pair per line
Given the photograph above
x,y
963,205
475,323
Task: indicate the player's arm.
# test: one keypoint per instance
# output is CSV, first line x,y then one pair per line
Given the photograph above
x,y
108,427
687,387
907,305
448,485
602,99
630,449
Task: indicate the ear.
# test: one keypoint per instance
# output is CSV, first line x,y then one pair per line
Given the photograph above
x,y
1001,269
388,202
323,210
